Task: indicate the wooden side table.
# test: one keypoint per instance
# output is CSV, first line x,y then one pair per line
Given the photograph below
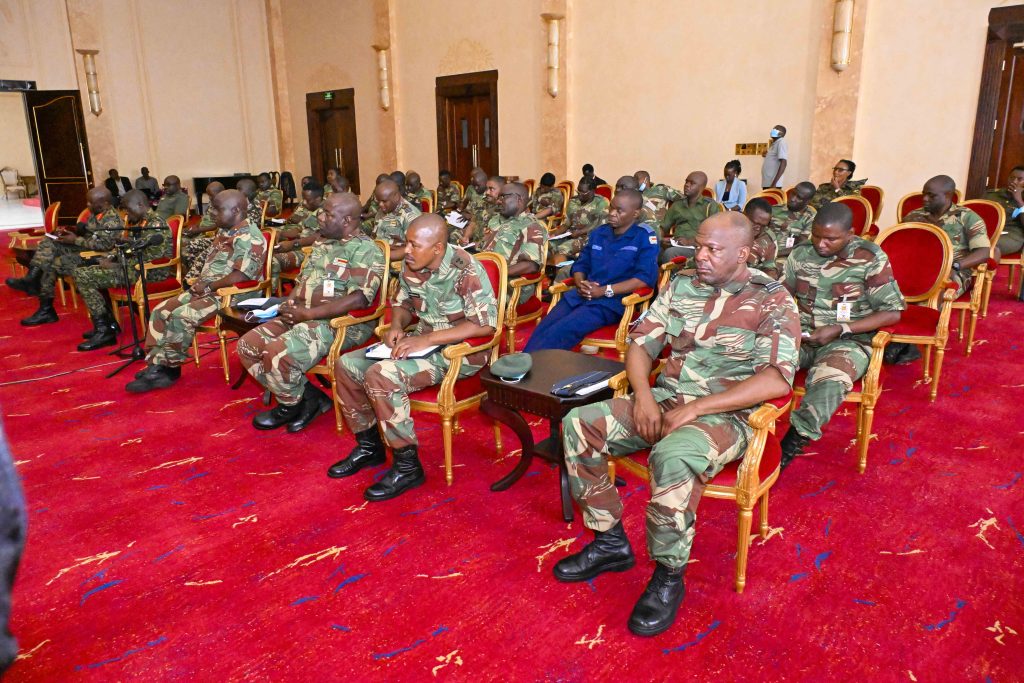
x,y
506,402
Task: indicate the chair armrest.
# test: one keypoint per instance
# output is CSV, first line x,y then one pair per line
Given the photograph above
x,y
153,265
769,411
620,383
638,297
524,280
355,317
470,346
562,286
93,254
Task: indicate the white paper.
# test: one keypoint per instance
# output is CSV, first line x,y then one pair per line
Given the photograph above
x,y
591,388
276,221
559,237
683,246
50,235
383,352
456,219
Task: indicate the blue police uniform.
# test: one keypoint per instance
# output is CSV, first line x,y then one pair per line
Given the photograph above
x,y
606,259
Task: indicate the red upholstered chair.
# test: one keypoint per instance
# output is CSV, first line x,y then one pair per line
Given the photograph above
x,y
773,195
570,186
914,201
530,184
747,481
605,191
522,312
709,193
861,209
921,256
455,396
427,205
976,300
865,393
23,239
994,216
375,311
226,293
876,197
611,337
155,291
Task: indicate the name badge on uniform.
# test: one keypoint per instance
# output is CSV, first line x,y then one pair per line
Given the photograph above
x,y
843,311
329,289
790,241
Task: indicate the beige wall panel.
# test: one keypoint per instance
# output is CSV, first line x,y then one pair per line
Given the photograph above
x,y
15,148
26,53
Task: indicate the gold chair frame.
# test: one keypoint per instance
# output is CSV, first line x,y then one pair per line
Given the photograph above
x,y
876,213
957,197
868,212
621,341
774,192
136,298
511,319
984,274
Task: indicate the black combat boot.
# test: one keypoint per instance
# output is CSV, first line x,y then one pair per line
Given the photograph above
x,y
113,325
44,315
792,445
314,403
406,473
28,284
156,377
656,609
278,416
900,354
608,552
369,452
103,335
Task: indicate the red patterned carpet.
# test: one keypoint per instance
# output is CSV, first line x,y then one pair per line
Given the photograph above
x,y
170,541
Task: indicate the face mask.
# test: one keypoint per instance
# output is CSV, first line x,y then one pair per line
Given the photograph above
x,y
775,134
259,314
643,186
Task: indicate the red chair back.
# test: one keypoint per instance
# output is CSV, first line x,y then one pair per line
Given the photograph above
x,y
175,223
770,197
912,202
50,217
708,192
874,195
425,205
861,209
921,256
605,191
992,213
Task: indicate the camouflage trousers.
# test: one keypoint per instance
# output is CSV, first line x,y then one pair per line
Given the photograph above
x,y
570,247
284,262
372,391
193,253
681,464
172,325
278,355
92,280
833,368
56,259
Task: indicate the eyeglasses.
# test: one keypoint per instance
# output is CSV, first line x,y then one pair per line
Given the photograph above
x,y
842,169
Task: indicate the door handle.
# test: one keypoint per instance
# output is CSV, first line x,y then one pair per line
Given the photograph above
x,y
475,156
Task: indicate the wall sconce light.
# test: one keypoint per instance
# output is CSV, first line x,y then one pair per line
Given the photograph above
x,y
382,76
93,86
842,29
552,20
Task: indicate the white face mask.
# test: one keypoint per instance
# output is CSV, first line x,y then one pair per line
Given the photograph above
x,y
775,134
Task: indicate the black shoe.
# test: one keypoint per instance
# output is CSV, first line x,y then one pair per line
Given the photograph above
x,y
608,552
656,609
405,473
148,370
369,452
792,445
28,284
909,355
44,315
314,403
160,378
88,334
900,354
103,335
278,416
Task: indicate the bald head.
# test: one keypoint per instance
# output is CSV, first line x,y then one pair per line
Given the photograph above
x,y
723,246
213,188
172,184
340,217
388,195
230,208
247,187
941,183
428,228
511,198
695,184
136,203
731,227
624,209
99,199
626,182
938,194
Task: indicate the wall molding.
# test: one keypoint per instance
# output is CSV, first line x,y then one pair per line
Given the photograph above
x,y
243,104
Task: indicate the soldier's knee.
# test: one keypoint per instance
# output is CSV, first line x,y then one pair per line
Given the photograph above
x,y
826,373
682,454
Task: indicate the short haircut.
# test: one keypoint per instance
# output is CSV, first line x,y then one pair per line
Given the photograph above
x,y
398,177
853,166
445,171
735,164
781,127
587,183
807,186
498,179
264,175
758,204
548,179
588,167
316,188
835,213
1017,168
635,195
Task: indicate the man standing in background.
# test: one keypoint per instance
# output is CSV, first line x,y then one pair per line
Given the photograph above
x,y
775,159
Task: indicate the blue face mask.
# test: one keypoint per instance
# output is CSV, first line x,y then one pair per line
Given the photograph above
x,y
643,186
775,134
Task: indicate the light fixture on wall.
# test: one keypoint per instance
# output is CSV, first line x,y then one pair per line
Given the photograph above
x,y
92,84
842,30
552,20
382,76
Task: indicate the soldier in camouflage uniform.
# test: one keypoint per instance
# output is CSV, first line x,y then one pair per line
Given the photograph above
x,y
648,211
92,281
272,196
371,207
1011,198
343,273
62,255
415,193
448,195
685,216
196,241
839,186
394,214
255,215
763,251
586,211
238,254
332,173
791,223
451,295
547,200
845,291
474,209
733,335
174,202
291,238
660,195
517,236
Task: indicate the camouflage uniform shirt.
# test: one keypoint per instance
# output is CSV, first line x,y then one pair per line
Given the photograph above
x,y
447,195
242,248
520,238
583,218
352,265
155,224
391,227
682,220
719,336
785,225
661,196
763,254
827,192
860,274
273,197
255,214
415,198
172,205
965,229
101,230
549,199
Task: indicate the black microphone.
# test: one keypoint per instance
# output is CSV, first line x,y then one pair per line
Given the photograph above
x,y
148,241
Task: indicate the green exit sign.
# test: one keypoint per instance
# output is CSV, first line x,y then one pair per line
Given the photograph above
x,y
328,96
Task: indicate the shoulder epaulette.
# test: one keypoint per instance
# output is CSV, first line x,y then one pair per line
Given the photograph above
x,y
768,283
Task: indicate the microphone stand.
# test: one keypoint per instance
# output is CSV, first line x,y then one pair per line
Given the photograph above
x,y
137,352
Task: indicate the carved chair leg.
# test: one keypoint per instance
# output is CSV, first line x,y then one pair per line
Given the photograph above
x,y
742,546
970,332
446,432
497,437
939,353
764,515
864,438
927,361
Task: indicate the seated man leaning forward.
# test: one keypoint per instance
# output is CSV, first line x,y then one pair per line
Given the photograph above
x,y
733,334
619,258
293,237
341,274
845,291
516,236
238,254
449,292
394,214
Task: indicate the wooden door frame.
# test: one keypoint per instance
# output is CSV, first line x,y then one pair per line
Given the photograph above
x,y
315,103
1005,27
462,85
69,212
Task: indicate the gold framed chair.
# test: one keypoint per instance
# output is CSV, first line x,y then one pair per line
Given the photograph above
x,y
975,301
23,239
530,184
774,196
611,337
290,275
876,197
994,216
747,481
605,191
866,392
914,201
155,291
862,212
921,256
225,294
455,396
462,189
529,310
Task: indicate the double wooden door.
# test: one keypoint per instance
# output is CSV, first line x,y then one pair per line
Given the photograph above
x,y
61,150
331,118
467,123
1008,145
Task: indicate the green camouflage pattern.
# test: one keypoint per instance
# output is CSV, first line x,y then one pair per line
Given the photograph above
x,y
661,196
242,248
391,227
57,259
966,231
172,205
1012,239
786,224
831,371
415,198
827,192
480,209
372,391
682,220
274,198
550,199
717,338
520,238
255,213
447,195
583,218
763,254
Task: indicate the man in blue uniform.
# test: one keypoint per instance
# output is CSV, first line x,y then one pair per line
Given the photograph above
x,y
619,258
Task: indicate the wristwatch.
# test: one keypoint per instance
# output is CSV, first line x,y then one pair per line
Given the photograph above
x,y
956,266
608,293
847,332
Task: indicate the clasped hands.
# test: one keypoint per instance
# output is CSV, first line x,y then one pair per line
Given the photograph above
x,y
589,289
402,345
823,335
653,425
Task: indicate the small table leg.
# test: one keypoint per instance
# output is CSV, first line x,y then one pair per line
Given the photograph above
x,y
517,424
563,472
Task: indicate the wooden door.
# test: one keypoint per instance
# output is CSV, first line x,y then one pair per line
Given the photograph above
x,y
1008,145
467,123
333,143
61,150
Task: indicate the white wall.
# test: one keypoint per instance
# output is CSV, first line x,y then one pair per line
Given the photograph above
x,y
15,148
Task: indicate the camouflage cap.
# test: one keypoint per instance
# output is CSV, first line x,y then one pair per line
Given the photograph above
x,y
513,367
